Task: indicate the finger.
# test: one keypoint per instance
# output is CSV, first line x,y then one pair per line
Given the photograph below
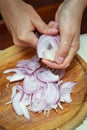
x,y
25,39
65,44
74,48
42,27
30,38
53,65
53,24
20,43
63,65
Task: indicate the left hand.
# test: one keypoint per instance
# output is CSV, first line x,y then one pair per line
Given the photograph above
x,y
69,17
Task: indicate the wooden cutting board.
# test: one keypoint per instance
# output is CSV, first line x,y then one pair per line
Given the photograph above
x,y
8,118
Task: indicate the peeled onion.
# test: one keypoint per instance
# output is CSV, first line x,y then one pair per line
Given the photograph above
x,y
47,47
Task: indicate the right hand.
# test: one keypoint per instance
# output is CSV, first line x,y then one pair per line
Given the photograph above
x,y
21,20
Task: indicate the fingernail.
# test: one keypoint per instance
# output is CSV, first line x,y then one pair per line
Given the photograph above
x,y
60,60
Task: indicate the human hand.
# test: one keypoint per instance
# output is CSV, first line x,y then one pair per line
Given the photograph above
x,y
21,20
69,17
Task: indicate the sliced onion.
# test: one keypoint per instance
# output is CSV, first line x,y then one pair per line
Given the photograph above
x,y
52,93
19,102
15,102
45,75
25,63
31,85
65,90
16,77
42,89
24,109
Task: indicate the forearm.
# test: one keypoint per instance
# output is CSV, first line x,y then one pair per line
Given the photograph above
x,y
77,7
8,5
69,16
9,11
81,3
5,3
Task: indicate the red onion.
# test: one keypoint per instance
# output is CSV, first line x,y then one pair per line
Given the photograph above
x,y
25,67
31,84
45,75
47,47
65,90
18,102
42,89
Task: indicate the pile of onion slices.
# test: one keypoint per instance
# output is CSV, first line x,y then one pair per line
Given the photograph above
x,y
41,90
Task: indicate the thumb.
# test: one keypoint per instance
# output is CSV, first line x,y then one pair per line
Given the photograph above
x,y
65,44
42,27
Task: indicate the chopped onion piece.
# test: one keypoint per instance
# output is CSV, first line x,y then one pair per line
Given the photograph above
x,y
45,75
65,90
16,77
31,85
15,102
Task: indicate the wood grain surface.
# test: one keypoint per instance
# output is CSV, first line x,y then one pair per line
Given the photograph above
x,y
8,118
82,63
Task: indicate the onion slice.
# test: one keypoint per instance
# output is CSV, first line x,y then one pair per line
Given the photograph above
x,y
45,75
